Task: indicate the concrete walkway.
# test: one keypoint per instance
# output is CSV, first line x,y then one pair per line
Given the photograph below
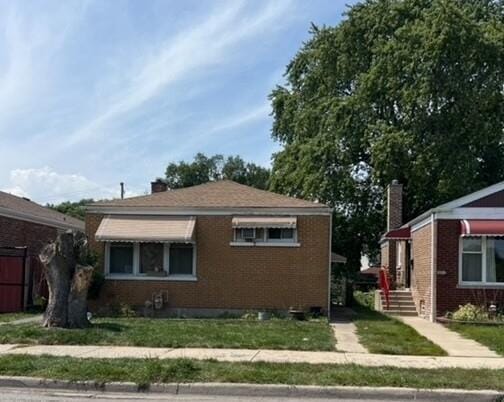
x,y
247,355
453,343
345,332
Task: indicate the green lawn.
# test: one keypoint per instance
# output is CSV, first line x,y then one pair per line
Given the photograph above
x,y
489,335
382,334
211,333
6,317
146,371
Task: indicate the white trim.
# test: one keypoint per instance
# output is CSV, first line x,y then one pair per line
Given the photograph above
x,y
207,211
475,284
473,196
473,213
173,278
265,237
136,275
330,269
461,214
421,224
263,244
433,268
8,213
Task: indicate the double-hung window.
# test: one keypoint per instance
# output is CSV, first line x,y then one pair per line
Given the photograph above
x,y
482,260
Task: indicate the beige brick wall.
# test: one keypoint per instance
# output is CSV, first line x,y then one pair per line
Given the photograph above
x,y
422,269
237,277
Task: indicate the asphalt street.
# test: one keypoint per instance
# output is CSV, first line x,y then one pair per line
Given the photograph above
x,y
30,395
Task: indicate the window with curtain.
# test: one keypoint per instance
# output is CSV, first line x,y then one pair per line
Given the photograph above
x,y
151,257
482,260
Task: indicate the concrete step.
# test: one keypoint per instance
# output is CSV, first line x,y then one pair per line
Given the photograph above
x,y
400,313
403,305
400,310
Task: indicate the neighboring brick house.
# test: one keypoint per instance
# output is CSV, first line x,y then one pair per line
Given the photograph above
x,y
450,255
23,223
212,248
25,227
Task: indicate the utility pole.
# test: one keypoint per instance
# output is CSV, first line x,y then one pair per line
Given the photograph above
x,y
122,190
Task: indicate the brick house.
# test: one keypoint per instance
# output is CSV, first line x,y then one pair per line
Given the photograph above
x,y
450,255
212,248
24,223
25,227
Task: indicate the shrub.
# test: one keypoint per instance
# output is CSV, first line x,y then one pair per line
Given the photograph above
x,y
97,281
470,312
364,298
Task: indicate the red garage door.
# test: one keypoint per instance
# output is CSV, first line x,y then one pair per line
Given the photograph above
x,y
11,284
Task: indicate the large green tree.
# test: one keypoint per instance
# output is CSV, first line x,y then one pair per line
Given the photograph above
x,y
400,89
203,169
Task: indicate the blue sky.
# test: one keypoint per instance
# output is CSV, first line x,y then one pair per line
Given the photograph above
x,y
98,92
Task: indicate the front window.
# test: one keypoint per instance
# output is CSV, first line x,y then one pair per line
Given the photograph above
x,y
181,259
151,258
249,234
265,235
121,258
144,260
482,260
280,235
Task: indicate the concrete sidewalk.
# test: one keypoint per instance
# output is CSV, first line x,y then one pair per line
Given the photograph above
x,y
345,331
247,355
453,343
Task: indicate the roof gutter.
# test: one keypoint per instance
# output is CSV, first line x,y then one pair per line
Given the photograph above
x,y
9,213
138,210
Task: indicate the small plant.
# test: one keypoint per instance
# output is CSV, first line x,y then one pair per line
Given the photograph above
x,y
470,312
125,310
250,316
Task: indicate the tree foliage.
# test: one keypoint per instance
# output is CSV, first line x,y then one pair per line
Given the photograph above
x,y
203,169
400,89
74,209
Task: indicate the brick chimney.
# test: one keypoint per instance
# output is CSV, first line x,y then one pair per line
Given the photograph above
x,y
394,205
158,186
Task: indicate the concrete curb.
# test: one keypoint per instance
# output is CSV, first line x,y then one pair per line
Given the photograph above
x,y
258,390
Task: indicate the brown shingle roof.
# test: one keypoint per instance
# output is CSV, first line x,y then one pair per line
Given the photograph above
x,y
217,194
21,208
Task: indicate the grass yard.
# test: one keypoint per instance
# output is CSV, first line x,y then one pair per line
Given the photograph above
x,y
491,336
147,371
382,334
205,333
6,317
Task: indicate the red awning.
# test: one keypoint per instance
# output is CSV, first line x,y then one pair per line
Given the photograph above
x,y
398,234
481,228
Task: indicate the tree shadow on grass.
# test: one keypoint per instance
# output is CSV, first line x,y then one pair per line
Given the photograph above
x,y
109,326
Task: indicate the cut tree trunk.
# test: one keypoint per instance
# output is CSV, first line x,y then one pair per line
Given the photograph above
x,y
68,282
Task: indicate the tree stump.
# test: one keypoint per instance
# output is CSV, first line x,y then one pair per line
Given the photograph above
x,y
68,279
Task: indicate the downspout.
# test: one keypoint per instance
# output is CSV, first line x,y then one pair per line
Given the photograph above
x,y
433,313
330,269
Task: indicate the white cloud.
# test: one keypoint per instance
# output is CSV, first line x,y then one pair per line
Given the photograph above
x,y
45,185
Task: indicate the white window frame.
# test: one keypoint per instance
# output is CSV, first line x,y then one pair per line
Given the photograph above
x,y
291,240
266,242
399,254
483,253
137,275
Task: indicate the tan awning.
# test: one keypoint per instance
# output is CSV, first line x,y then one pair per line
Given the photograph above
x,y
287,222
146,228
